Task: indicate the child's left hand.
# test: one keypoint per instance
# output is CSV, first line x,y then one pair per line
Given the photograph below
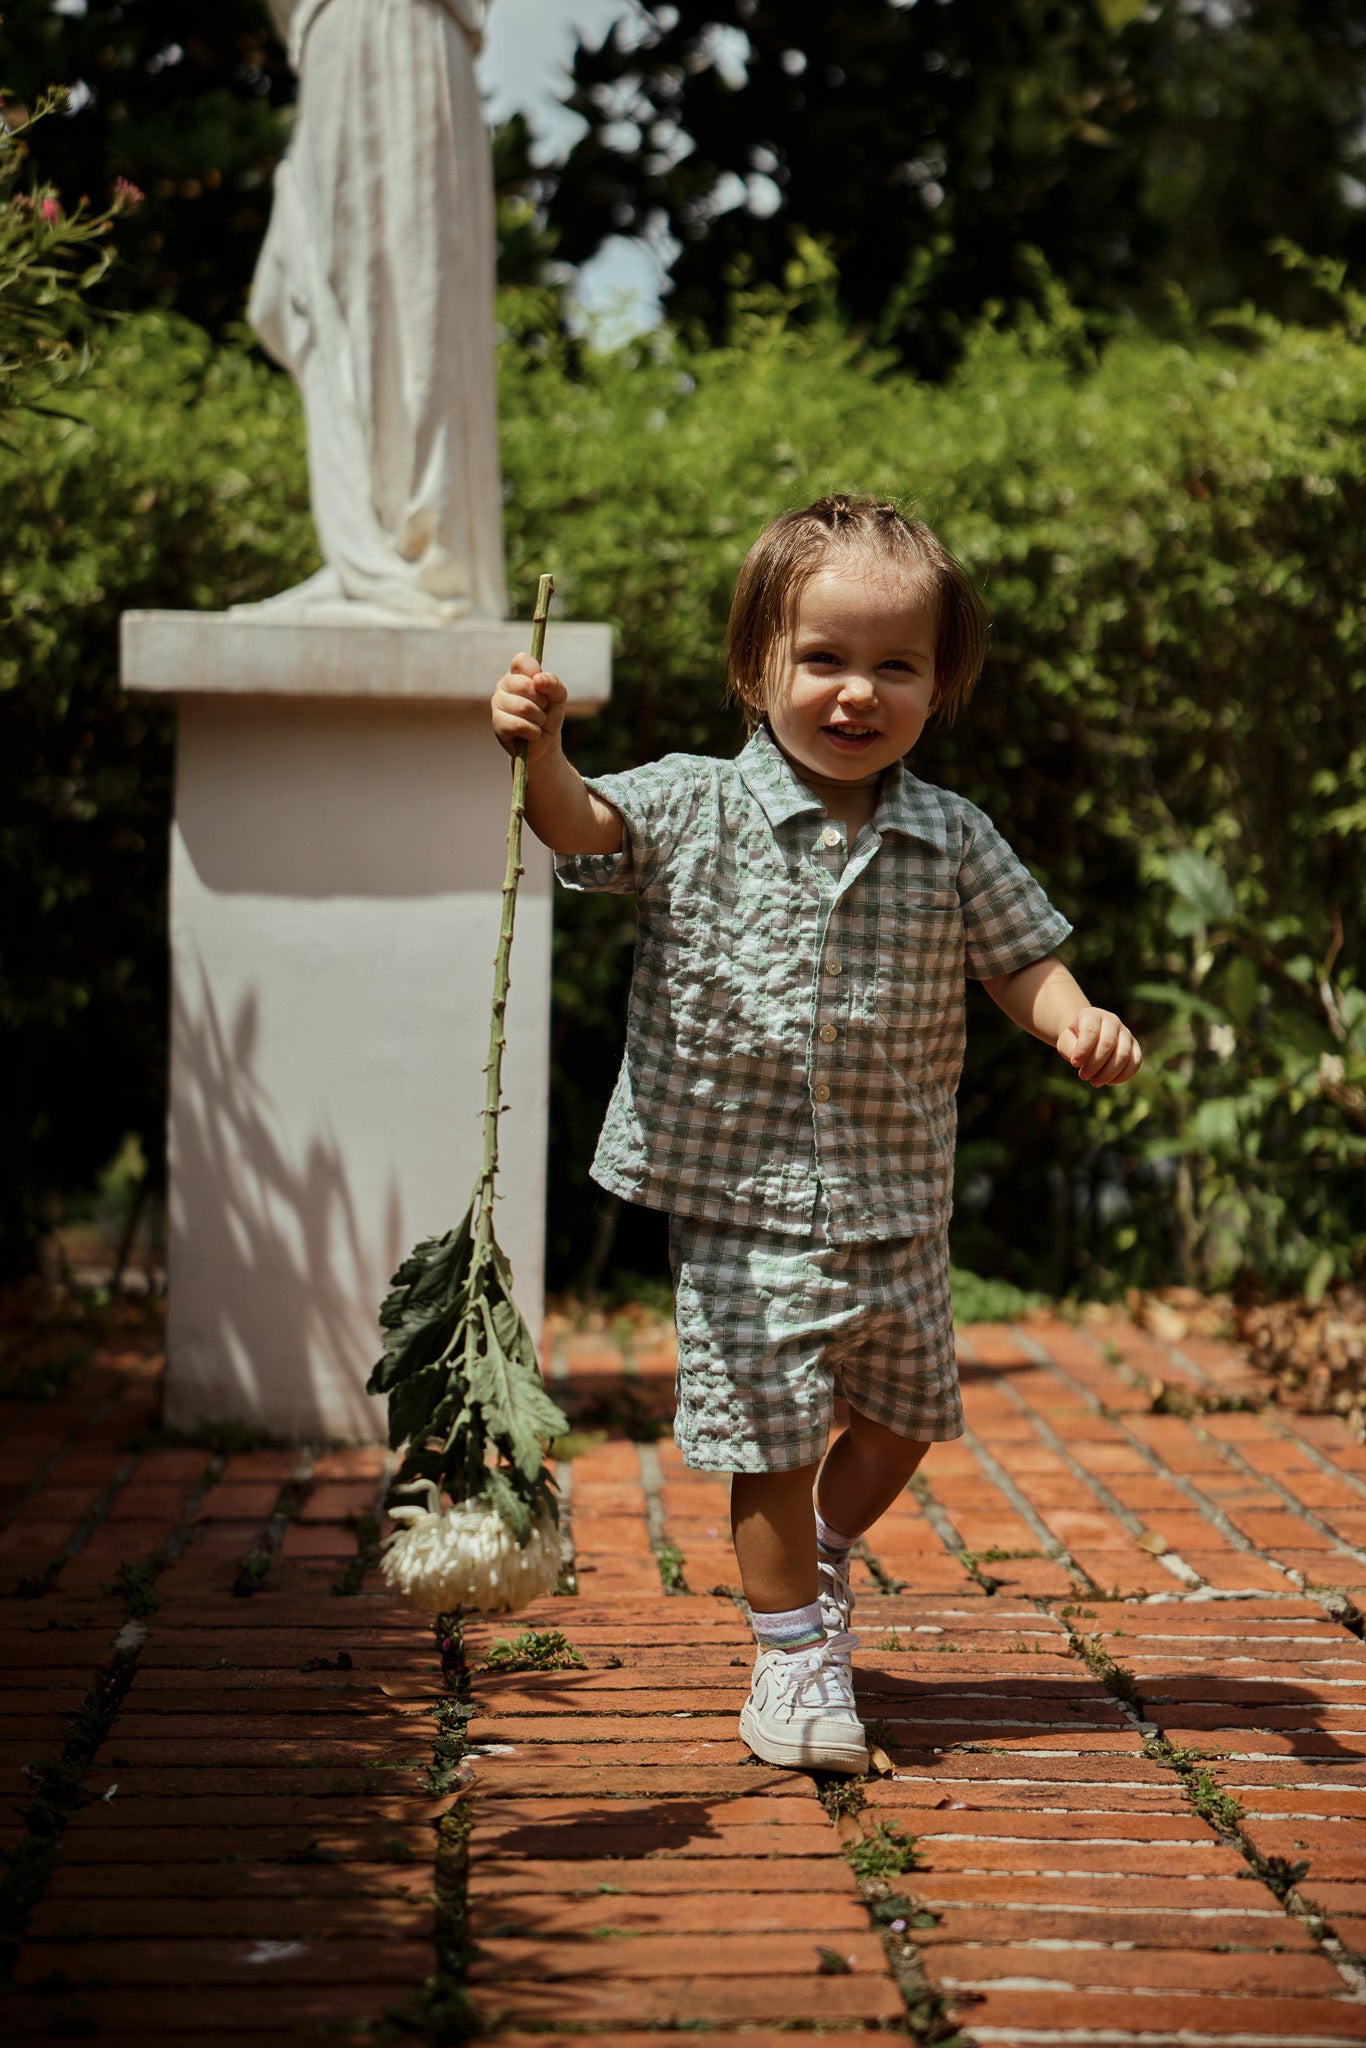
x,y
1101,1047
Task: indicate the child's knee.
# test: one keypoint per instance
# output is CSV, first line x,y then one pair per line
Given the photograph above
x,y
876,1442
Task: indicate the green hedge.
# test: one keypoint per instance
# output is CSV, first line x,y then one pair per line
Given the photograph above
x,y
1167,539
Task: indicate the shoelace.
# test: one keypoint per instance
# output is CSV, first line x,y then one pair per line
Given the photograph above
x,y
836,1571
813,1678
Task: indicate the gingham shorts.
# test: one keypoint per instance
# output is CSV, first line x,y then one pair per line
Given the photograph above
x,y
771,1328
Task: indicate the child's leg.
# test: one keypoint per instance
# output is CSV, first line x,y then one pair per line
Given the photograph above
x,y
773,1523
864,1471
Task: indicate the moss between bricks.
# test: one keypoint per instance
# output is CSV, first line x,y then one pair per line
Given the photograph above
x,y
672,1565
535,1649
446,2012
877,1859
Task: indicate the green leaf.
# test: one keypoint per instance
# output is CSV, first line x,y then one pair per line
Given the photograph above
x,y
1241,989
1202,885
1214,1127
1320,1273
1178,998
415,1403
515,1405
514,1508
1117,14
420,1315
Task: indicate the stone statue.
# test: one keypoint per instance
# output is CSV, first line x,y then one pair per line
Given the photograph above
x,y
374,288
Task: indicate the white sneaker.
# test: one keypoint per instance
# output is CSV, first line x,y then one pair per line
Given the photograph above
x,y
836,1594
800,1711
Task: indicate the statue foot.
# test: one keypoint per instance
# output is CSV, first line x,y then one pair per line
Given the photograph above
x,y
322,587
321,601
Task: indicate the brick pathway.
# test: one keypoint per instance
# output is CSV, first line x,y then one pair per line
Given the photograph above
x,y
1113,1657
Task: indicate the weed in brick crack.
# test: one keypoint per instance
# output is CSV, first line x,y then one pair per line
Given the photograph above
x,y
841,1795
894,1910
970,1559
289,1504
1213,1804
831,1963
1159,1750
366,1558
671,1568
1280,1875
544,1649
884,1854
448,1767
135,1584
891,1641
252,1573
1118,1682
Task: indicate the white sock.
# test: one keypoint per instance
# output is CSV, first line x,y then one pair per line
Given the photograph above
x,y
832,1542
797,1628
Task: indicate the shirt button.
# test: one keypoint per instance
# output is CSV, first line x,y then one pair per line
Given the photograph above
x,y
822,1094
829,1033
830,837
832,965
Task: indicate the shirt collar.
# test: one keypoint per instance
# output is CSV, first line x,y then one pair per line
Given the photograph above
x,y
771,781
905,804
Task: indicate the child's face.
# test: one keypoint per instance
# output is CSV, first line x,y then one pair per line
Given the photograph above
x,y
853,685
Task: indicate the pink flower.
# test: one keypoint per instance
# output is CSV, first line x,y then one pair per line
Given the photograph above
x,y
51,211
127,194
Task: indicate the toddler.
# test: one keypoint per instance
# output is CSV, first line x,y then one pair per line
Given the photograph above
x,y
808,916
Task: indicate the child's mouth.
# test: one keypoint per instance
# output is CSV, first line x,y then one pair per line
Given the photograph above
x,y
850,739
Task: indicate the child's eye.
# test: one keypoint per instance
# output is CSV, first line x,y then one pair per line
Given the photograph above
x,y
820,656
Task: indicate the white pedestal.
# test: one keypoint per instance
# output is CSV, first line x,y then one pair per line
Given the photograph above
x,y
337,856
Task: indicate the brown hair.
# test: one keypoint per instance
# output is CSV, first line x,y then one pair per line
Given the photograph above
x,y
790,551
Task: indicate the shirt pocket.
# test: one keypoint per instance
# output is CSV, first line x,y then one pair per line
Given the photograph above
x,y
921,960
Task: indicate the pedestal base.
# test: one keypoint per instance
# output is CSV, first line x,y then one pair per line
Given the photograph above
x,y
337,860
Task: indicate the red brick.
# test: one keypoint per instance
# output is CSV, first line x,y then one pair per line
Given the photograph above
x,y
1173,2019
856,1997
1171,1971
198,1963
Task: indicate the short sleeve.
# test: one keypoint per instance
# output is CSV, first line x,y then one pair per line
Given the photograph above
x,y
656,804
1008,920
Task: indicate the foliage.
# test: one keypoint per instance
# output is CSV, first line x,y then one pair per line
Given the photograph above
x,y
534,1649
50,260
461,1374
191,106
886,1853
1257,1081
976,1300
1164,533
943,152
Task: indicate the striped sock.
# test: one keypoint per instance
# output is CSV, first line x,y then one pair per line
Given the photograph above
x,y
795,1629
831,1542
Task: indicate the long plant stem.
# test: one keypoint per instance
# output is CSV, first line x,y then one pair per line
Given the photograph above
x,y
493,1066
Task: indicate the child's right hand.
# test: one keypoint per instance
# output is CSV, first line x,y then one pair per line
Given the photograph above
x,y
528,704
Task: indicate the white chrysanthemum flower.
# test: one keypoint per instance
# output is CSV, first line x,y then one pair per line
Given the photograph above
x,y
1223,1041
466,1556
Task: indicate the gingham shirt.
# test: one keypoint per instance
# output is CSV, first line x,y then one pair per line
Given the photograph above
x,y
797,1017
